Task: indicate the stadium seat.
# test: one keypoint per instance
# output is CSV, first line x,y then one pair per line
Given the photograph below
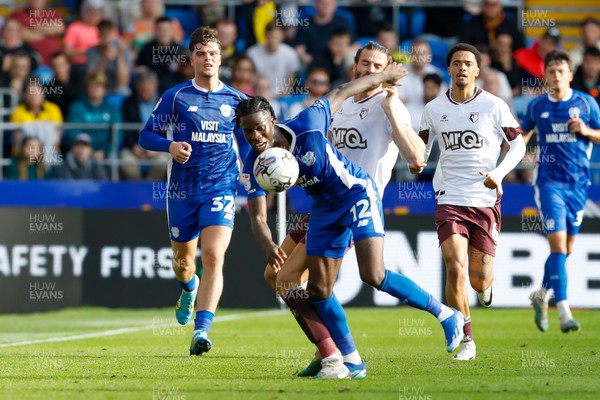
x,y
116,99
187,17
411,22
362,41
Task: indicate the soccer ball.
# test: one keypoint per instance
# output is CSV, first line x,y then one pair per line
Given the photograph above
x,y
276,169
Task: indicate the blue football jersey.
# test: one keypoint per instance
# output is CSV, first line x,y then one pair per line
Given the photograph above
x,y
325,174
205,120
563,157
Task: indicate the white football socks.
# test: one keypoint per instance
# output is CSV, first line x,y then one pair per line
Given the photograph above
x,y
564,311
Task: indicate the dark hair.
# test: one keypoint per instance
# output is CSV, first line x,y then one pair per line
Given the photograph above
x,y
203,36
313,69
557,56
376,47
464,47
435,78
106,25
57,54
588,21
591,51
274,25
253,105
386,27
340,32
162,19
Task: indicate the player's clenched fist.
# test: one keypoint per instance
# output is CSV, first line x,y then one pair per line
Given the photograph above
x,y
395,72
181,151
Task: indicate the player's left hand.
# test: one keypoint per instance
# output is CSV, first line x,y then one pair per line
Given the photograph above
x,y
576,125
391,98
490,182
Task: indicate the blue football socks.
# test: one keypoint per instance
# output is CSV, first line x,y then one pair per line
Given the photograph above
x,y
557,275
190,285
203,320
331,312
409,292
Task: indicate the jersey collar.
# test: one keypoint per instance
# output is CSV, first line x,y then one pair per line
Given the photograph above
x,y
200,88
292,134
475,94
566,98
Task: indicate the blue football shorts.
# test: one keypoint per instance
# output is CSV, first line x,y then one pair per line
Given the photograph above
x,y
561,207
189,216
332,226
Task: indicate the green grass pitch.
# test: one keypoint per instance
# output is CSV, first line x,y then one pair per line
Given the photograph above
x,y
142,354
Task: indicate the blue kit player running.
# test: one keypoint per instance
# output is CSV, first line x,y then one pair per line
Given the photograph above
x,y
198,118
346,205
567,122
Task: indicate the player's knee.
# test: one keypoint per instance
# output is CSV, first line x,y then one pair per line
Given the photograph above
x,y
455,272
183,264
318,292
212,258
371,277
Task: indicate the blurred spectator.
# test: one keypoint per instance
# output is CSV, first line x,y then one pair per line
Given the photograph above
x,y
140,30
227,35
275,60
590,37
432,87
138,108
42,28
370,18
494,82
210,12
531,59
163,54
82,34
28,163
38,117
78,162
110,58
263,88
317,85
18,70
311,41
387,37
587,76
503,60
93,109
420,65
244,75
481,29
11,41
497,83
339,58
63,89
254,15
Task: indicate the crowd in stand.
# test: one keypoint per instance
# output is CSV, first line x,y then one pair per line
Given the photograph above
x,y
106,63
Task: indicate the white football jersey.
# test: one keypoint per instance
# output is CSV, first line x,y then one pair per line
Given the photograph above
x,y
469,136
361,131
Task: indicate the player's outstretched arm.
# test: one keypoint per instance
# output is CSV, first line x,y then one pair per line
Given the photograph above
x,y
392,74
410,146
262,233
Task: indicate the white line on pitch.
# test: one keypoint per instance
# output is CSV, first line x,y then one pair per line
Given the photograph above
x,y
224,318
